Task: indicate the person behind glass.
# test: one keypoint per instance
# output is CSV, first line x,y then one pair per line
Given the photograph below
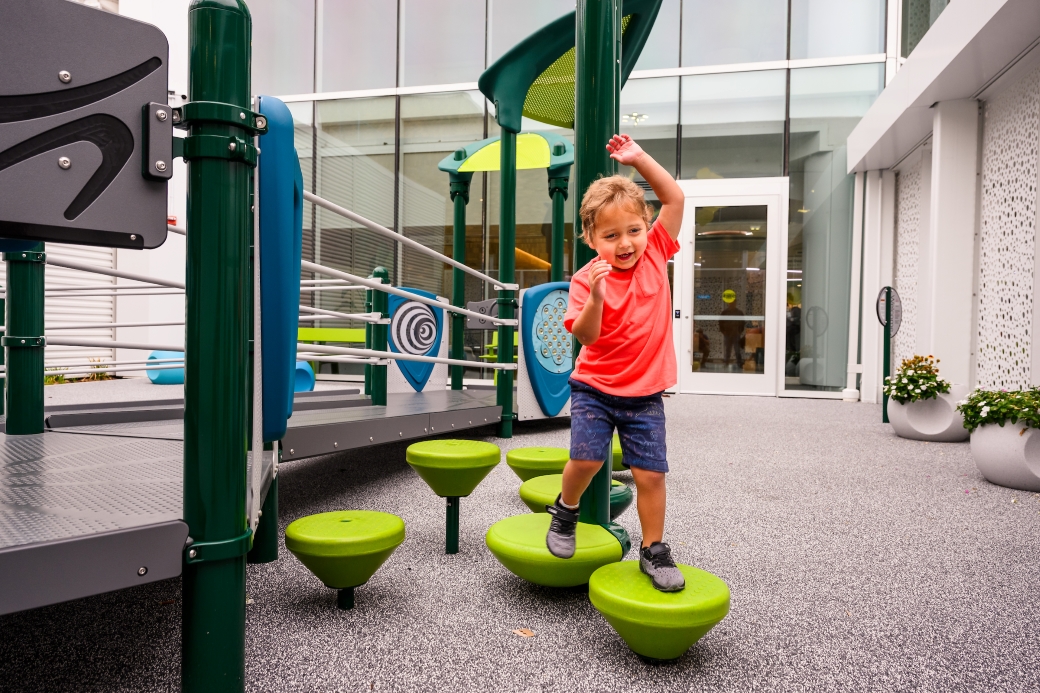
x,y
620,310
732,329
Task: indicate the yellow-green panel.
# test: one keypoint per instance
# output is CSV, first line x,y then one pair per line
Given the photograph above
x,y
332,334
532,151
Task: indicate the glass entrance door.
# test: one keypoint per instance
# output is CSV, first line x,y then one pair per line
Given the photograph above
x,y
724,292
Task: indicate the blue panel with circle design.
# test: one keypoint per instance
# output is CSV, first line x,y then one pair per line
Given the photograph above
x,y
415,328
548,349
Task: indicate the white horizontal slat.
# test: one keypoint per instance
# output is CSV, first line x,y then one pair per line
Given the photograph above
x,y
69,310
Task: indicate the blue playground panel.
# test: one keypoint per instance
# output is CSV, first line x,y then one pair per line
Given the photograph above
x,y
547,344
417,329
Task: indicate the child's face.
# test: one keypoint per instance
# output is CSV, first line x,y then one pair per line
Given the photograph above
x,y
619,236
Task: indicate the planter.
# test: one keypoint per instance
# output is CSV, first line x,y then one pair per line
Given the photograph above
x,y
930,419
1008,455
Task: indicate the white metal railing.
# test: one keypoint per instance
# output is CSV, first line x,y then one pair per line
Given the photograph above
x,y
347,351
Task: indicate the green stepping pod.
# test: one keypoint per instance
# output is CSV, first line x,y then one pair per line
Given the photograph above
x,y
618,467
529,463
654,624
541,491
519,544
344,548
453,468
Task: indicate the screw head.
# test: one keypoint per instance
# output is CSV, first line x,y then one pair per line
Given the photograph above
x,y
231,146
143,570
335,445
261,122
259,513
64,76
160,165
133,237
161,115
64,162
241,116
192,553
176,116
291,451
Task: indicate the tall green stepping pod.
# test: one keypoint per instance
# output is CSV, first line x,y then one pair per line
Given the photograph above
x,y
344,548
529,463
658,625
453,468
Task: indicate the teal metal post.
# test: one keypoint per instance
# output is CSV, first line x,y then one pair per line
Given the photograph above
x,y
216,403
887,358
559,179
24,342
451,532
381,305
460,197
596,118
507,275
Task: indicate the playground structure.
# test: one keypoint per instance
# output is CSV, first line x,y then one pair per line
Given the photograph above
x,y
216,507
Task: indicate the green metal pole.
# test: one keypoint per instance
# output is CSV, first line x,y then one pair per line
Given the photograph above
x,y
216,406
381,305
597,43
265,539
887,366
460,197
368,341
558,193
3,390
451,533
506,274
24,341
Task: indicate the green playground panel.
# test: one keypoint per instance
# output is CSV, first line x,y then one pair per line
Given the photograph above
x,y
518,543
655,624
529,463
540,491
453,468
616,447
344,335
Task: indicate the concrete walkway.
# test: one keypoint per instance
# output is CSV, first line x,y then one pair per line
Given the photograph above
x,y
857,561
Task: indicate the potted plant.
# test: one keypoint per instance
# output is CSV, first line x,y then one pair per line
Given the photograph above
x,y
923,406
1004,439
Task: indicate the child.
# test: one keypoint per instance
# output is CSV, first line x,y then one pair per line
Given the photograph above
x,y
620,310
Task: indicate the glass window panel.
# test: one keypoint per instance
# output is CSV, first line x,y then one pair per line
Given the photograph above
x,y
283,47
512,21
650,113
734,31
826,104
827,28
733,125
358,45
662,46
442,41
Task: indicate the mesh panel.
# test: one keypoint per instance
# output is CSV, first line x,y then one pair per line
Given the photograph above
x,y
550,99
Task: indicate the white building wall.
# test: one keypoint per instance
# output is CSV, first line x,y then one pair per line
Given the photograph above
x,y
908,232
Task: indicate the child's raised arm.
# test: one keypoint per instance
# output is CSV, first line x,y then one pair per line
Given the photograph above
x,y
624,150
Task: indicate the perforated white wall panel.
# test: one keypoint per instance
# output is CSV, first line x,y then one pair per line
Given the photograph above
x,y
908,233
1011,133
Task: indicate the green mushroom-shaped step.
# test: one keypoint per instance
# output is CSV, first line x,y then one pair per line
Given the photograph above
x,y
519,544
541,491
529,463
658,625
344,548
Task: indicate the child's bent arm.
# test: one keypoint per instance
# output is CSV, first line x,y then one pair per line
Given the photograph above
x,y
586,326
667,190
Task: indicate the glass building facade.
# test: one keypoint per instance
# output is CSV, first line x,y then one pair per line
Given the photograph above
x,y
382,90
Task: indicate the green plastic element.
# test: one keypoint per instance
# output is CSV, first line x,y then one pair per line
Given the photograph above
x,y
460,197
621,534
381,305
213,111
506,273
595,502
540,491
25,284
338,335
559,196
536,78
344,548
618,466
453,467
519,544
658,625
451,533
368,341
265,539
216,407
529,463
533,150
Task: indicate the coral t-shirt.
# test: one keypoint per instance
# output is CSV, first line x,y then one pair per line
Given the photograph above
x,y
634,355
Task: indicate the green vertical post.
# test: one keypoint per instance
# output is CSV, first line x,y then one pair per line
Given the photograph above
x,y
381,305
507,275
216,403
558,184
451,532
368,341
23,341
265,538
460,197
3,391
886,369
597,42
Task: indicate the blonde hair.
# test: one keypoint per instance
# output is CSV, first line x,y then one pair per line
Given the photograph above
x,y
613,190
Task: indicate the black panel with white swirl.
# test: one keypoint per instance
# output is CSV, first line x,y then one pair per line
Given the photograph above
x,y
414,328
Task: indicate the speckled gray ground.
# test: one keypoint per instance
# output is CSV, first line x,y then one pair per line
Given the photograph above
x,y
856,560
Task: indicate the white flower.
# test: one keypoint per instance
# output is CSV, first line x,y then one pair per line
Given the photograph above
x,y
909,372
985,410
962,403
905,380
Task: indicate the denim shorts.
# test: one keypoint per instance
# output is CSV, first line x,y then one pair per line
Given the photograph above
x,y
639,422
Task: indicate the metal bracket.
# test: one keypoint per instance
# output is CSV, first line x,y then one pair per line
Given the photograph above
x,y
216,112
219,147
157,141
203,551
15,342
25,257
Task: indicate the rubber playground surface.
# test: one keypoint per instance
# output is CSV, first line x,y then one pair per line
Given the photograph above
x,y
856,561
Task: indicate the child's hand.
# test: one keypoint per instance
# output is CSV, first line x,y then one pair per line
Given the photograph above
x,y
624,150
598,279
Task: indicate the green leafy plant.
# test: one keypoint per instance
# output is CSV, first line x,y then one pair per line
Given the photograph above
x,y
54,376
917,378
1000,407
99,372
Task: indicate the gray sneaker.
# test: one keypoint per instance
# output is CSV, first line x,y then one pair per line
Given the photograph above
x,y
560,539
656,561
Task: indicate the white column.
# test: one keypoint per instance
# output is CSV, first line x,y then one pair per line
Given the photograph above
x,y
878,264
951,237
851,393
923,339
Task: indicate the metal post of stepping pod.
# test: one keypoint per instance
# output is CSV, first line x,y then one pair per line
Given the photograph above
x,y
890,313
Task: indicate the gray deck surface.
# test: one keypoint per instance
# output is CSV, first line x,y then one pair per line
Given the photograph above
x,y
857,562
